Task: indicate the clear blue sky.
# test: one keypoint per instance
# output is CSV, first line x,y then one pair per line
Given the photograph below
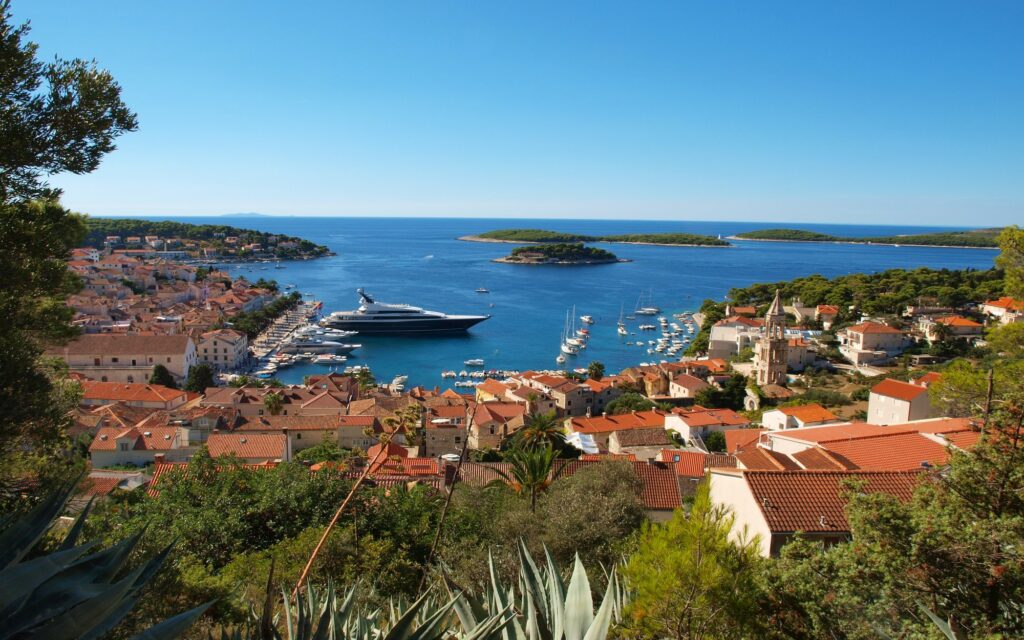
x,y
882,112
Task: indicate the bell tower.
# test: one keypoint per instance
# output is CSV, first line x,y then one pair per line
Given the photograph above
x,y
770,351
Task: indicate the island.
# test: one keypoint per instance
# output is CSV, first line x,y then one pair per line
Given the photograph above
x,y
201,242
974,239
542,236
562,253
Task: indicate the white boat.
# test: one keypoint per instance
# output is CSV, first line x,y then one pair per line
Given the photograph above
x,y
399,380
569,349
374,317
622,330
474,362
587,319
560,359
482,290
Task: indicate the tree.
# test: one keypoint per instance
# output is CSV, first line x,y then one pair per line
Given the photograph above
x,y
1011,260
200,378
532,471
59,116
691,581
730,396
365,379
541,429
629,402
595,370
162,376
273,402
715,441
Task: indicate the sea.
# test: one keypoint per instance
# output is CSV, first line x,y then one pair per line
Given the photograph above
x,y
420,261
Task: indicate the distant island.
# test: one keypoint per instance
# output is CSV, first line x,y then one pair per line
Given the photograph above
x,y
541,236
563,253
200,241
976,239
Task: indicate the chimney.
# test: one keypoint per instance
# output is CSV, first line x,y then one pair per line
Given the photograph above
x,y
158,458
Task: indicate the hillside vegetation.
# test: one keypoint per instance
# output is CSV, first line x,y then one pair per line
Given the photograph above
x,y
563,252
97,229
982,238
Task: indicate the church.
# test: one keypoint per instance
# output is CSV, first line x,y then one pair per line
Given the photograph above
x,y
770,351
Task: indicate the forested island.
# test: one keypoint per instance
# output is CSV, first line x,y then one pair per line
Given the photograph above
x,y
541,236
977,238
204,240
560,253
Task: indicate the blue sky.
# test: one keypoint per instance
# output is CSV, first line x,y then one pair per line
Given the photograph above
x,y
875,112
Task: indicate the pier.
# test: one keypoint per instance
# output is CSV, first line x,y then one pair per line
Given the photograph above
x,y
271,338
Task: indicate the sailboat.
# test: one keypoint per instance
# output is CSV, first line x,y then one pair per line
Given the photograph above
x,y
649,310
568,347
622,325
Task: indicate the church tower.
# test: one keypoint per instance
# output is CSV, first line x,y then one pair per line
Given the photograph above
x,y
770,350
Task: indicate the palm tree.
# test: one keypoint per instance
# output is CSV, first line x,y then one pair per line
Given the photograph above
x,y
541,428
595,371
532,471
273,402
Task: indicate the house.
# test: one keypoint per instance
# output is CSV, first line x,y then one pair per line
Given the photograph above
x,y
303,432
953,326
493,422
871,343
127,358
642,444
895,402
1006,310
358,432
117,446
600,428
250,448
684,385
826,315
603,392
777,505
571,398
732,335
806,415
149,396
445,430
223,349
791,441
699,422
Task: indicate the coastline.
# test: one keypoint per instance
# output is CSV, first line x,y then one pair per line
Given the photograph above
x,y
653,244
862,242
559,263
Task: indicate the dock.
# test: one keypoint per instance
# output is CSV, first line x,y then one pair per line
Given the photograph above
x,y
271,338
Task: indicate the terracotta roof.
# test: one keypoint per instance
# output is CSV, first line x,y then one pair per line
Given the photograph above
x,y
817,459
962,439
855,430
607,424
958,321
736,439
141,439
872,327
293,423
248,445
643,437
898,389
1007,303
827,309
764,459
114,344
721,461
814,501
899,452
660,489
809,413
493,387
99,485
688,464
598,457
687,381
928,378
712,417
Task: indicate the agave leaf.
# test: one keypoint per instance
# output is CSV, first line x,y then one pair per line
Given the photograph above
x,y
941,624
533,583
599,627
76,529
532,624
402,629
20,535
98,567
430,628
172,628
287,614
19,580
579,605
79,620
143,575
492,627
556,596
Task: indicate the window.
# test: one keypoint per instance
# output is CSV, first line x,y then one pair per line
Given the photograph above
x,y
133,362
261,412
123,446
458,439
204,350
113,359
298,436
168,359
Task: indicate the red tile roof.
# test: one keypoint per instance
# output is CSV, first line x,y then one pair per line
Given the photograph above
x,y
1007,303
142,439
827,309
764,459
928,378
809,413
737,439
900,452
854,430
688,464
817,459
248,445
660,488
898,389
814,501
493,387
128,392
872,327
700,417
607,424
958,321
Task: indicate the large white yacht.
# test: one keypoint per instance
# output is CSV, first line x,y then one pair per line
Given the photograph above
x,y
374,317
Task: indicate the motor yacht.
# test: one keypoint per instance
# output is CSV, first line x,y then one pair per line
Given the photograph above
x,y
374,318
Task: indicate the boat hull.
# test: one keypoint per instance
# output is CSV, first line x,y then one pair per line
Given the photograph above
x,y
406,326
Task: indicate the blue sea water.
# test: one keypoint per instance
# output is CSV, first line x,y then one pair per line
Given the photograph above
x,y
420,262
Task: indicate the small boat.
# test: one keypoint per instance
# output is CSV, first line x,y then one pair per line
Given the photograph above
x,y
569,349
474,362
463,374
587,319
560,359
622,330
482,290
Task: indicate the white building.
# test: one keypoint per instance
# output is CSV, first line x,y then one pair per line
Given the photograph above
x,y
895,402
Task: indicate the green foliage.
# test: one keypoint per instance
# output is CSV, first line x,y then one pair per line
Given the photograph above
x,y
629,402
595,370
213,234
824,397
730,396
540,429
713,312
684,239
1011,260
886,292
715,441
565,252
269,285
273,402
162,376
69,592
200,378
59,116
691,581
365,379
252,323
534,235
975,238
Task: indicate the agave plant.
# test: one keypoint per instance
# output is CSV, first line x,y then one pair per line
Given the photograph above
x,y
71,593
546,608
